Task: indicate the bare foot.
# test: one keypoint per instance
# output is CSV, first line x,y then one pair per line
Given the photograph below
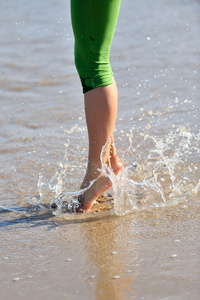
x,y
115,162
98,187
95,183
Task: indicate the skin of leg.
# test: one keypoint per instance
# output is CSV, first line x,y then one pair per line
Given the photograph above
x,y
93,36
100,111
116,164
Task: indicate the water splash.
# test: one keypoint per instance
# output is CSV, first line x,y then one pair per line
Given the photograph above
x,y
55,184
68,201
168,176
165,173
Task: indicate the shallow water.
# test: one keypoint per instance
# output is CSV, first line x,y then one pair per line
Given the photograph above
x,y
147,245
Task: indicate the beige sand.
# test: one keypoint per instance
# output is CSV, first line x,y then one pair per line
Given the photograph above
x,y
152,254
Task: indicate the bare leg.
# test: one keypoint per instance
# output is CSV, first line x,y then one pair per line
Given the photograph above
x,y
100,110
116,164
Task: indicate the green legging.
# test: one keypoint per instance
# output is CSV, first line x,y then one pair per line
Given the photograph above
x,y
93,23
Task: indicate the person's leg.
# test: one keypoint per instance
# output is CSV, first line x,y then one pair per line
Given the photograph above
x,y
100,110
93,26
115,162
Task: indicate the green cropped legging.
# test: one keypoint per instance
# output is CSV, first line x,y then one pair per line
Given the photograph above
x,y
94,23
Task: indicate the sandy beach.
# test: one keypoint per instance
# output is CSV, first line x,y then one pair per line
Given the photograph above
x,y
141,239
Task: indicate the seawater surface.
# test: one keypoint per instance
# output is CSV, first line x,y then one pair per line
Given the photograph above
x,y
141,241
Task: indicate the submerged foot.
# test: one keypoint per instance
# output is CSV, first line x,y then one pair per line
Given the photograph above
x,y
101,182
94,184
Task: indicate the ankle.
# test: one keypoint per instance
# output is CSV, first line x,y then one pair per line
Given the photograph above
x,y
93,170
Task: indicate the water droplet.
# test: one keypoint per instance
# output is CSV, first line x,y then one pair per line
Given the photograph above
x,y
68,259
176,100
150,112
16,279
116,277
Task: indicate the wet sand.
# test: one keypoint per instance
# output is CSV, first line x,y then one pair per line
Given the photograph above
x,y
143,242
152,254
